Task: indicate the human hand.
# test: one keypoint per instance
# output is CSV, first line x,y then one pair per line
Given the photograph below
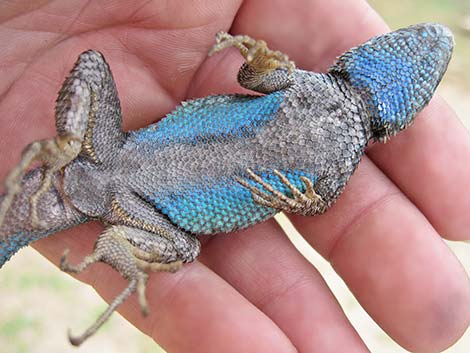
x,y
255,292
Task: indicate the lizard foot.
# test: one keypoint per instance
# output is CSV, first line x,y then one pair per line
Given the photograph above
x,y
256,52
54,154
305,203
132,263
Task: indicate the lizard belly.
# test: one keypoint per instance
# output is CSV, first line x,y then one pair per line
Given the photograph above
x,y
195,155
201,148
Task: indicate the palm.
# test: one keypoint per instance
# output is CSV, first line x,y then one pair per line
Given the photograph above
x,y
257,293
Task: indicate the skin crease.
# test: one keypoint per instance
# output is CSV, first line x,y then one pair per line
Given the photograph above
x,y
253,291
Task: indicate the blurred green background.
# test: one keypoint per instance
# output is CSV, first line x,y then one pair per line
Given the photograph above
x,y
38,302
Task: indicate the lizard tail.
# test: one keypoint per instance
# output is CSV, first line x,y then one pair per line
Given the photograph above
x,y
396,74
18,230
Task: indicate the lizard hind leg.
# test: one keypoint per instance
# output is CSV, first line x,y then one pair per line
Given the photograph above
x,y
54,154
114,248
87,109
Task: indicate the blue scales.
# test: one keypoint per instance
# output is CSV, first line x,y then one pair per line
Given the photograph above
x,y
215,204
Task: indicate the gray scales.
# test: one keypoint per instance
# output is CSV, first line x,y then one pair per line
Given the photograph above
x,y
218,163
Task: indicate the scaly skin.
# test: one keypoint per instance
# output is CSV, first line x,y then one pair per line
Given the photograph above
x,y
219,163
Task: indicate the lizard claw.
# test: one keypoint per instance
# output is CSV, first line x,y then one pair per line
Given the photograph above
x,y
306,203
256,52
64,262
54,153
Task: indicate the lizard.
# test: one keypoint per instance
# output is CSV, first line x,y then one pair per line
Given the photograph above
x,y
215,164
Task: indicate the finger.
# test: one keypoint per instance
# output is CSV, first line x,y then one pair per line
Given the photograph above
x,y
393,261
151,65
449,265
429,162
193,310
310,32
317,325
263,265
289,27
428,159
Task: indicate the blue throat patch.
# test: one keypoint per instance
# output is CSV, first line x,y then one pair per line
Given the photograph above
x,y
398,72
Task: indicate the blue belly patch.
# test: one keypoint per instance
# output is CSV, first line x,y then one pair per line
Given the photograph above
x,y
221,205
210,119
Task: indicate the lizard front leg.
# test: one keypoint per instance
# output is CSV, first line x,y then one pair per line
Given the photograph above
x,y
265,70
306,203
